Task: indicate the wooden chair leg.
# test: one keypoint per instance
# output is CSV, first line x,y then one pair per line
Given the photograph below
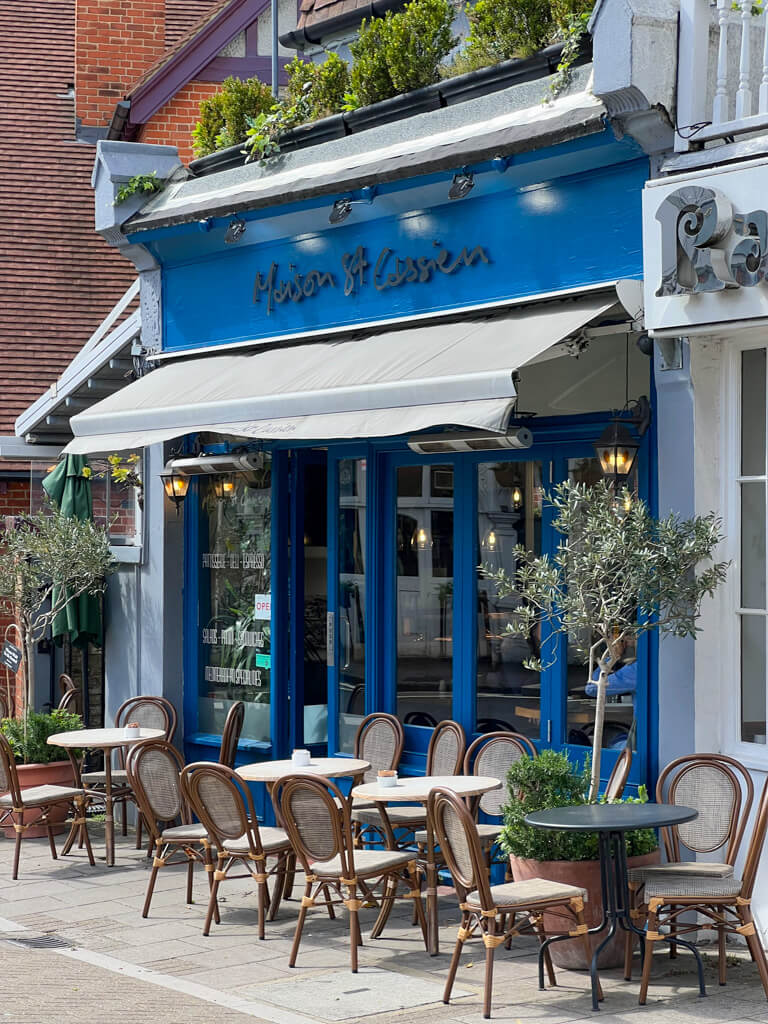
x,y
539,928
151,888
754,944
51,843
139,823
300,925
190,872
262,897
213,899
653,927
277,888
722,963
460,940
354,925
490,949
208,861
19,828
587,950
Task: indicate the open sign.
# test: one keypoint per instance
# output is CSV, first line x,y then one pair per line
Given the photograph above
x,y
262,606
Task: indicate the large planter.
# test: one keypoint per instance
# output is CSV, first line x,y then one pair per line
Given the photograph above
x,y
57,773
586,874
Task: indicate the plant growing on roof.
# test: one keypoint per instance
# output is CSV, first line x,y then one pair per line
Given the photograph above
x,y
139,185
224,117
616,574
47,561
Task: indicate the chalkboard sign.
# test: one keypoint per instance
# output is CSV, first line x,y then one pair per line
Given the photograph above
x,y
10,656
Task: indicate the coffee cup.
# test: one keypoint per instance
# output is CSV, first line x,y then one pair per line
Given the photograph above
x,y
300,758
387,778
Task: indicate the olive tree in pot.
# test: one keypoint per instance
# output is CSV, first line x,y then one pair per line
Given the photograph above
x,y
617,573
552,780
38,763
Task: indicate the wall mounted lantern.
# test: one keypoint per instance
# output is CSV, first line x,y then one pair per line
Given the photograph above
x,y
616,448
223,486
176,487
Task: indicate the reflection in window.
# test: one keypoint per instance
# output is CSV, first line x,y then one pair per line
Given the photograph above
x,y
424,567
509,513
351,619
235,604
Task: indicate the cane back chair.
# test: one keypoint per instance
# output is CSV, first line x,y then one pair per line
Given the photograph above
x,y
68,701
721,790
721,903
149,713
317,820
379,740
16,802
445,756
490,911
614,789
224,805
230,737
154,774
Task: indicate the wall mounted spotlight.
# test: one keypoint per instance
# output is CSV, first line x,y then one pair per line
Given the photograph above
x,y
501,163
205,224
340,211
462,185
235,231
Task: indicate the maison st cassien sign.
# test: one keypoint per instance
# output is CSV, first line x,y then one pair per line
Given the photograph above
x,y
489,249
706,248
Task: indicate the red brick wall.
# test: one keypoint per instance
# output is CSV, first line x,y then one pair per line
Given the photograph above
x,y
116,41
14,501
172,124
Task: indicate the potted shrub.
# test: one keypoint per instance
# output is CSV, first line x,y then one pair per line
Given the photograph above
x,y
552,780
37,763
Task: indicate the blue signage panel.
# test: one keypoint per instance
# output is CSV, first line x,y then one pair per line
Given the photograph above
x,y
567,233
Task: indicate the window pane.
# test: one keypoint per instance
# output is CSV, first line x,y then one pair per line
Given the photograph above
x,y
753,412
315,602
509,513
753,678
753,545
424,566
235,604
351,625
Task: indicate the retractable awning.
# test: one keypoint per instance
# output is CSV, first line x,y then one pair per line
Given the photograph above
x,y
396,382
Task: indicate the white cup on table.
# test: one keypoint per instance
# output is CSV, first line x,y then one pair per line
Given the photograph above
x,y
300,758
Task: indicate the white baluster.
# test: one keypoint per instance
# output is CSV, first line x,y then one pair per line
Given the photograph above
x,y
763,98
720,106
744,94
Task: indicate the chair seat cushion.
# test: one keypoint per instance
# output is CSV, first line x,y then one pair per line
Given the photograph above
x,y
407,816
670,887
487,833
272,840
694,868
36,796
184,834
119,778
532,890
367,863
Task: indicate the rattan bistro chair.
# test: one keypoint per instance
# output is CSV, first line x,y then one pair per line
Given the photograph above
x,y
154,770
15,802
722,904
445,756
490,910
224,805
150,713
380,739
68,701
614,789
721,790
230,737
317,820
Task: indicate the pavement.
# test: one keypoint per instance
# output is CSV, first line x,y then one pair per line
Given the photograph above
x,y
74,947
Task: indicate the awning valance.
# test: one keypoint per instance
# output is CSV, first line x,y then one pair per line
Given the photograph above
x,y
396,382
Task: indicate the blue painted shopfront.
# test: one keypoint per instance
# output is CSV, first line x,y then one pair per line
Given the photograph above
x,y
394,537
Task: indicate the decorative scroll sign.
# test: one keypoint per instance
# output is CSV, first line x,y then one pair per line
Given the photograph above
x,y
388,270
706,247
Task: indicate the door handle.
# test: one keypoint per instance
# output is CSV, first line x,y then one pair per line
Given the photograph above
x,y
348,653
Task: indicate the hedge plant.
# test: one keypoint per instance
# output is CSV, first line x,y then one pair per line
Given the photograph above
x,y
28,736
224,116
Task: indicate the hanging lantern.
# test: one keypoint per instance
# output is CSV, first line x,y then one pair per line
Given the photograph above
x,y
617,449
176,487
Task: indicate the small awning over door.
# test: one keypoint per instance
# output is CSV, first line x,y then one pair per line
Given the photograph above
x,y
396,382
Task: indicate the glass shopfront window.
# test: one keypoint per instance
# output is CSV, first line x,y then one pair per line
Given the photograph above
x,y
509,503
235,596
351,598
424,593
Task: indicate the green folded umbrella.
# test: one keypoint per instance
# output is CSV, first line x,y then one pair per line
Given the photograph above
x,y
68,485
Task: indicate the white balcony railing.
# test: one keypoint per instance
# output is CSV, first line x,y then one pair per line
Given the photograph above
x,y
722,70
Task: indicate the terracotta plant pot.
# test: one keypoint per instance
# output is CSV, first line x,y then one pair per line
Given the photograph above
x,y
585,874
57,773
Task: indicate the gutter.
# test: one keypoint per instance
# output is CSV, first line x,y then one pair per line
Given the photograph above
x,y
300,38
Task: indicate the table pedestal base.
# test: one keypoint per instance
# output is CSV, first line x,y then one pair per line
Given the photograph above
x,y
616,912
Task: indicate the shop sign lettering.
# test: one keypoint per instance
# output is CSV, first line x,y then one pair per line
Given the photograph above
x,y
233,638
707,246
233,560
358,271
233,676
262,606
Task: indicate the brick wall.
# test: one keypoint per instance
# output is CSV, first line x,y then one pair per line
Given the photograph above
x,y
14,501
116,41
173,123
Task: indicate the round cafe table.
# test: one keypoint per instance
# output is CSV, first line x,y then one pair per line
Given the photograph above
x,y
612,822
417,790
106,740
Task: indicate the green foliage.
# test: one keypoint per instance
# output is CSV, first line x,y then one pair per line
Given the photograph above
x,y
224,117
139,185
48,560
502,29
27,736
123,470
617,573
324,85
552,780
402,51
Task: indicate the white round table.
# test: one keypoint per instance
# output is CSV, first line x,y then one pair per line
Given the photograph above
x,y
326,767
417,790
106,740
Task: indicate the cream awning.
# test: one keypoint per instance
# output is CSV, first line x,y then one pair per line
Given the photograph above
x,y
396,382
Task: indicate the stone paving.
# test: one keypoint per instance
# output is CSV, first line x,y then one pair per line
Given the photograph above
x,y
74,947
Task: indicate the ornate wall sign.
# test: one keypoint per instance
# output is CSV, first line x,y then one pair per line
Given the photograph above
x,y
706,247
